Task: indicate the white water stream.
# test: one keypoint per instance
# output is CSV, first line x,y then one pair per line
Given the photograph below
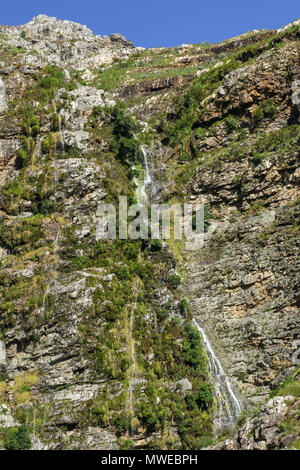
x,y
147,179
228,405
144,187
142,199
2,96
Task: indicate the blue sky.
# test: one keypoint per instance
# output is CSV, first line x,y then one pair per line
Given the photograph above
x,y
154,23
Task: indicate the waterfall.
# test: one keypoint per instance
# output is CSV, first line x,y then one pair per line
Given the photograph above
x,y
2,96
147,179
142,199
149,186
229,405
2,352
141,191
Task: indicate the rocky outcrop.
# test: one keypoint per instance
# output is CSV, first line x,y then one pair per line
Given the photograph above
x,y
48,40
267,431
243,285
243,89
2,96
148,87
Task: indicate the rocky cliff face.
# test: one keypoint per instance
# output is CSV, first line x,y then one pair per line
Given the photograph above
x,y
98,348
46,40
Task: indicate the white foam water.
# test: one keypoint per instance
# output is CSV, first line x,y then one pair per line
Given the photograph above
x,y
228,406
2,96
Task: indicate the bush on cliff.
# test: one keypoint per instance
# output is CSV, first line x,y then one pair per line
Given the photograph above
x,y
17,438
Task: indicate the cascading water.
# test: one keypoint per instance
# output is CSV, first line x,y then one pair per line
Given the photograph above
x,y
143,186
149,187
2,96
228,403
147,179
2,352
142,199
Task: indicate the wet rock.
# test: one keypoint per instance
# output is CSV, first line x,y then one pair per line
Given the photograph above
x,y
263,432
2,352
2,96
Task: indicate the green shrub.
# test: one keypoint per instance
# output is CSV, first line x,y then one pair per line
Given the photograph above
x,y
205,397
127,445
17,438
242,418
257,158
191,401
45,146
22,159
34,125
111,77
203,441
155,245
162,314
193,352
185,307
124,142
13,188
231,123
122,272
55,122
290,386
188,110
132,250
122,423
174,280
100,414
64,95
53,77
267,109
147,415
128,149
